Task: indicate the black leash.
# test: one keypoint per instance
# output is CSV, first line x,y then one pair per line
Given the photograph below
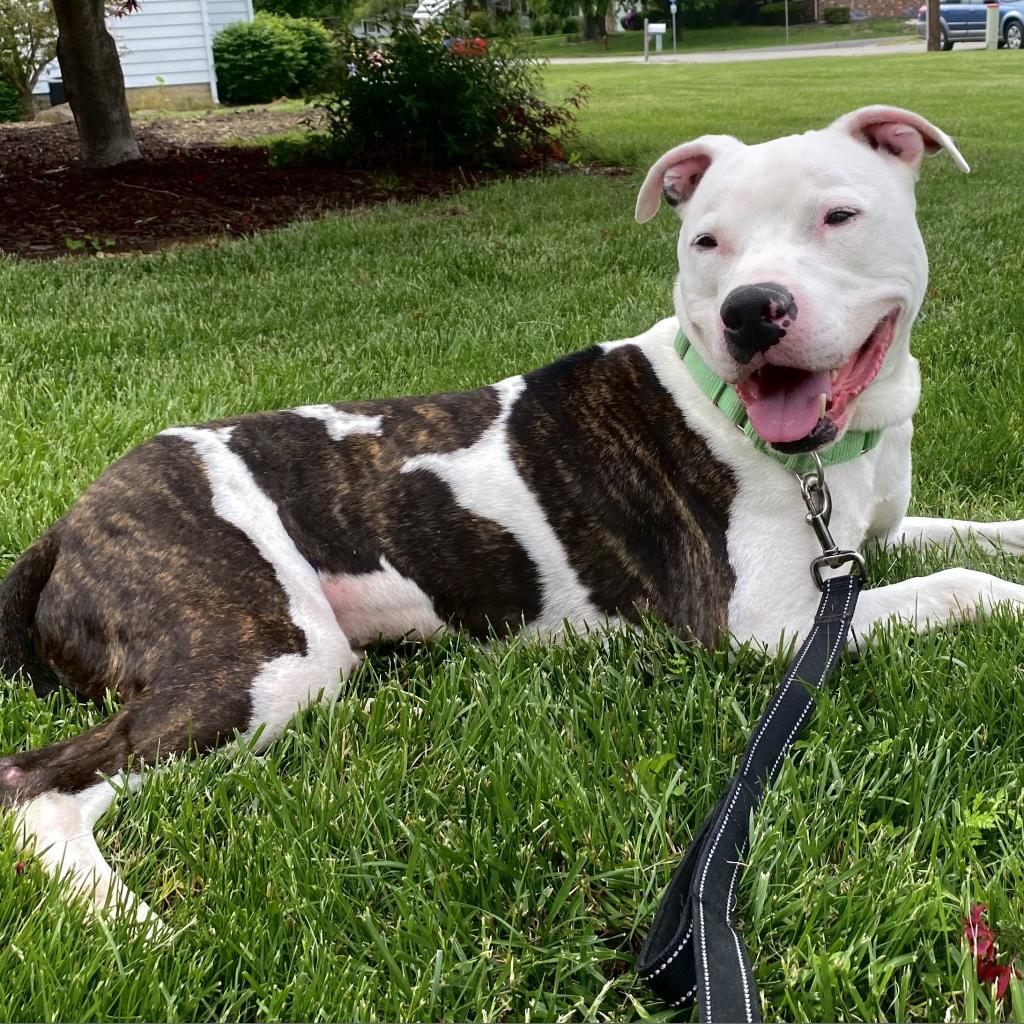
x,y
693,951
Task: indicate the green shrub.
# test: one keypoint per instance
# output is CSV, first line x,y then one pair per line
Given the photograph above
x,y
427,101
775,13
506,25
836,15
704,13
257,61
547,24
480,23
571,26
319,53
10,109
272,56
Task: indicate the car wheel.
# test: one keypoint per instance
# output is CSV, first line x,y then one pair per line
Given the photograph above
x,y
944,41
1014,36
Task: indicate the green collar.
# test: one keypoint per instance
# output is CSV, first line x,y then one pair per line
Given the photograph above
x,y
851,445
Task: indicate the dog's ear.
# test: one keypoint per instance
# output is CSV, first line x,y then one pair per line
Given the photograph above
x,y
900,133
677,173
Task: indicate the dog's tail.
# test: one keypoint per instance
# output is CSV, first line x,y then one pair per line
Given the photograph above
x,y
19,597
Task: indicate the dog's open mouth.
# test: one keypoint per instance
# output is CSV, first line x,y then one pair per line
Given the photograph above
x,y
797,410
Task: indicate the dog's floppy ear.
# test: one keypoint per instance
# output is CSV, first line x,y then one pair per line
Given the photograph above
x,y
677,173
901,133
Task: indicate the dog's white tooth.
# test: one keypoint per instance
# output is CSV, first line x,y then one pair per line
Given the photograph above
x,y
822,402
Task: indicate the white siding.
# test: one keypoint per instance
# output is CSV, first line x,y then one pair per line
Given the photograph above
x,y
225,12
166,39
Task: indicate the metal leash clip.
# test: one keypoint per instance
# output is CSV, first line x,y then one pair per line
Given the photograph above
x,y
819,513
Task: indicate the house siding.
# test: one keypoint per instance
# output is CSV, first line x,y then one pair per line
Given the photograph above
x,y
165,42
227,12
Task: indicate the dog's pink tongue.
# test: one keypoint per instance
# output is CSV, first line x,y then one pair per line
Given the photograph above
x,y
789,412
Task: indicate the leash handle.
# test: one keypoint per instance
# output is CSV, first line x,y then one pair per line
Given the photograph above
x,y
693,951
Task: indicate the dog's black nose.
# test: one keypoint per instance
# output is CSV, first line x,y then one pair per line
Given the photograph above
x,y
756,317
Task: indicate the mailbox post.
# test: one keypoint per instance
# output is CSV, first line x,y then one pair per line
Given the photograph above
x,y
991,26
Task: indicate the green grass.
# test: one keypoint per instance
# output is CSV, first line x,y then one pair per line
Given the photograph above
x,y
734,37
159,114
483,835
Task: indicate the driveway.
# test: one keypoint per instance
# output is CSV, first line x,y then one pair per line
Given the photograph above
x,y
845,48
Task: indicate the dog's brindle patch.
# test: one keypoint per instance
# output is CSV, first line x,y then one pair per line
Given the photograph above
x,y
636,498
347,503
156,596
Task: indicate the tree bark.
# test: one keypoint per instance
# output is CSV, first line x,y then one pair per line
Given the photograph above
x,y
94,84
933,25
26,104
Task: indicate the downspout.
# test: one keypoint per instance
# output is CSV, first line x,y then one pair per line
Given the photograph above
x,y
208,38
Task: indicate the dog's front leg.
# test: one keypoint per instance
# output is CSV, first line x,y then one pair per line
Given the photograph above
x,y
927,602
920,532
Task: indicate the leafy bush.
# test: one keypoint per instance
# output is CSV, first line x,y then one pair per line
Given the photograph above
x,y
633,20
319,53
271,56
775,13
706,13
836,15
480,23
571,26
10,110
258,61
431,101
546,24
744,12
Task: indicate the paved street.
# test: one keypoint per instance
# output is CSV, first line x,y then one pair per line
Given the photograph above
x,y
846,48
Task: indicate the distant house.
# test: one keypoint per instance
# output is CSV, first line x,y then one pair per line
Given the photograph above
x,y
166,52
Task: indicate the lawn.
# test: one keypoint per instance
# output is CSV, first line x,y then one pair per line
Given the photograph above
x,y
483,835
734,37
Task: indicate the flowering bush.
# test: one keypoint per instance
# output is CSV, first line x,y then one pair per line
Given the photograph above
x,y
468,47
428,100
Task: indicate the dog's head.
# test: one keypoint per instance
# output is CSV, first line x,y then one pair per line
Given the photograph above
x,y
801,264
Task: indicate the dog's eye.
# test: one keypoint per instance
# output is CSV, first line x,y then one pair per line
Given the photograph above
x,y
840,215
706,242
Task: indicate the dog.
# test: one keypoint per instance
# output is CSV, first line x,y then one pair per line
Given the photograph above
x,y
219,578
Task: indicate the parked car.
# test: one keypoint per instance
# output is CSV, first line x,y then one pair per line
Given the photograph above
x,y
965,22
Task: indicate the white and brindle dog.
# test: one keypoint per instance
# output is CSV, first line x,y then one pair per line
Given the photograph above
x,y
220,577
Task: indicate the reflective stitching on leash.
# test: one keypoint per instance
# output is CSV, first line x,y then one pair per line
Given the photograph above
x,y
706,993
678,950
725,822
743,973
682,999
790,676
732,803
803,714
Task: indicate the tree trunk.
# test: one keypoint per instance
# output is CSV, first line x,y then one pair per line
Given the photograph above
x,y
26,105
593,25
94,84
933,25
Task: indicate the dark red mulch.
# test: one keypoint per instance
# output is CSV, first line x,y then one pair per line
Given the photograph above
x,y
187,188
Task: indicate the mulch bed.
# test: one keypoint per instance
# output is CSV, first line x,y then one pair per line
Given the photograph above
x,y
188,187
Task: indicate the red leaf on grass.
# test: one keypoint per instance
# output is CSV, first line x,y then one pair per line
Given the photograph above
x,y
981,941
